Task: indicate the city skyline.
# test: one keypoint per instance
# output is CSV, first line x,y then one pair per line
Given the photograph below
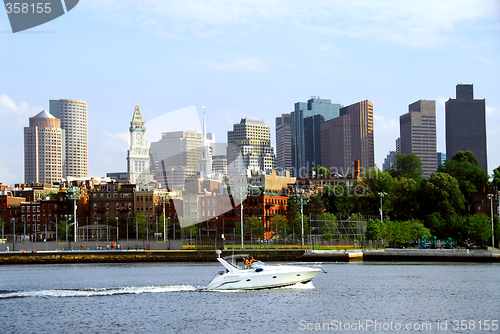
x,y
246,64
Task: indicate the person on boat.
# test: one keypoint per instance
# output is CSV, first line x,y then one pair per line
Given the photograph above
x,y
246,264
252,260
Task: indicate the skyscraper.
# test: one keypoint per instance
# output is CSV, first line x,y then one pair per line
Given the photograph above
x,y
252,139
466,125
43,149
441,158
389,160
138,157
178,156
284,142
205,162
418,134
73,116
304,137
347,138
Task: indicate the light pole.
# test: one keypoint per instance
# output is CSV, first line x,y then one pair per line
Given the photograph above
x,y
117,229
382,194
74,194
164,198
14,240
490,196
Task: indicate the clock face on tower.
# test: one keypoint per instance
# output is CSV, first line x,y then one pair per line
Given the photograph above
x,y
138,136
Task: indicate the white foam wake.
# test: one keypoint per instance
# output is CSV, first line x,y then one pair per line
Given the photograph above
x,y
95,292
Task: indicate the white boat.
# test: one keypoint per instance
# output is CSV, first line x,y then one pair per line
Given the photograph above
x,y
258,275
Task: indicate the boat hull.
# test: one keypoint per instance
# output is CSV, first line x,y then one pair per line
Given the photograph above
x,y
269,277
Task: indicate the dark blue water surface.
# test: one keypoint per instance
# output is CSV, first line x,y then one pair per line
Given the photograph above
x,y
169,297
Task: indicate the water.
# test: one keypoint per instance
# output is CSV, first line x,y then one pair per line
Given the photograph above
x,y
169,297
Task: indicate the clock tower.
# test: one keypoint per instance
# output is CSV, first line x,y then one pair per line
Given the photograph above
x,y
138,154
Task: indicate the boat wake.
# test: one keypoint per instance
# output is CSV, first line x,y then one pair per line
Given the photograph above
x,y
94,292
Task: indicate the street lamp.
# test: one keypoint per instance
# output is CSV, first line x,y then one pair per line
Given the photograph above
x,y
163,198
74,194
382,194
490,196
301,199
117,229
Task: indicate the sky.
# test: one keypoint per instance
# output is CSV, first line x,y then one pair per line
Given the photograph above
x,y
246,58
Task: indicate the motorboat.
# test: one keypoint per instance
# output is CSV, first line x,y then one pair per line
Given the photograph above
x,y
258,275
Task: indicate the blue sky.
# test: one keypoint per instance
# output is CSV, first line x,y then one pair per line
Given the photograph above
x,y
246,58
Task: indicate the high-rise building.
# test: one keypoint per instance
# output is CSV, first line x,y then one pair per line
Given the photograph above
x,y
398,145
252,139
303,134
284,142
418,134
74,122
348,138
441,158
205,161
466,125
138,156
43,149
389,160
178,157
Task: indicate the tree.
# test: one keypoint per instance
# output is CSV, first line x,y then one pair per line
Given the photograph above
x,y
467,156
327,223
139,224
338,199
403,201
463,167
496,177
441,204
314,206
256,226
478,227
280,226
373,230
62,228
297,226
321,171
373,182
407,165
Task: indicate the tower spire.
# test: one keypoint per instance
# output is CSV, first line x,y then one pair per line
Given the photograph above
x,y
137,120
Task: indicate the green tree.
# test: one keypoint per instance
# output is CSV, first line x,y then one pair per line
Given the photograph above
x,y
403,201
338,199
373,230
496,177
441,204
280,226
407,165
256,226
463,167
321,171
314,206
297,226
373,182
62,228
327,222
139,224
478,227
466,156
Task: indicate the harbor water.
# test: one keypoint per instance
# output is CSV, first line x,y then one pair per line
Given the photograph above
x,y
169,298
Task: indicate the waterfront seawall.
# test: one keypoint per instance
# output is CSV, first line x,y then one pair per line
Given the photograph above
x,y
125,256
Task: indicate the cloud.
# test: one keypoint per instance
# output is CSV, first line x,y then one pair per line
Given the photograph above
x,y
14,116
424,23
7,104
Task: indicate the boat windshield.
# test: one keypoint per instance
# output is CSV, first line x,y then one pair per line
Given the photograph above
x,y
255,265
